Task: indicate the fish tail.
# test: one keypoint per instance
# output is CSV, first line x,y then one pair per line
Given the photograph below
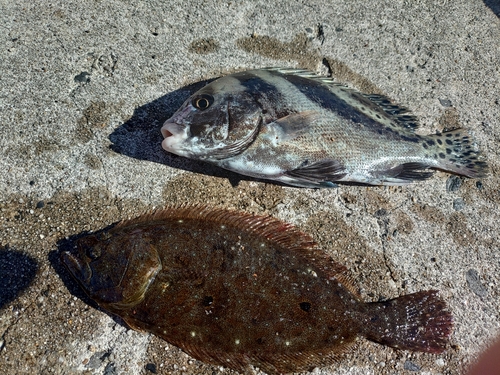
x,y
418,322
457,153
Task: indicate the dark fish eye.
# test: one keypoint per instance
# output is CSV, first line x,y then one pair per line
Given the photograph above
x,y
202,102
306,306
93,252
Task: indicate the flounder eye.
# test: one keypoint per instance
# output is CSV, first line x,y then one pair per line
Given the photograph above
x,y
93,253
203,102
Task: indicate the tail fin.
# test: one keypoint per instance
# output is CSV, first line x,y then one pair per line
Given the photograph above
x,y
418,322
457,153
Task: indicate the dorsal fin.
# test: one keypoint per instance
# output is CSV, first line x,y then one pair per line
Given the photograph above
x,y
380,103
400,113
282,233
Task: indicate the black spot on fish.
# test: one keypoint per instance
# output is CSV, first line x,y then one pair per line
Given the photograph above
x,y
453,160
425,146
439,141
449,142
430,142
306,306
448,151
208,300
442,155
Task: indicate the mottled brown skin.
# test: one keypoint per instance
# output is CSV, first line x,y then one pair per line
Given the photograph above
x,y
236,290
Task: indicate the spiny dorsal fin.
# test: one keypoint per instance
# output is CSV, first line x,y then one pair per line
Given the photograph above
x,y
397,113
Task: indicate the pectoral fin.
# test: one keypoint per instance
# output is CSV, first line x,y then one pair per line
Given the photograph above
x,y
293,125
320,173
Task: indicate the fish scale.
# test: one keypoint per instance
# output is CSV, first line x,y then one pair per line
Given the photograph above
x,y
297,128
243,291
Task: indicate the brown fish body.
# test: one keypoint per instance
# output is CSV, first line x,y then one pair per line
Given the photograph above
x,y
237,290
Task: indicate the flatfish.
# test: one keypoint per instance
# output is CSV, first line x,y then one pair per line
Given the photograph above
x,y
240,290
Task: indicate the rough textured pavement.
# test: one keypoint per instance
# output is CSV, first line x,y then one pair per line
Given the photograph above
x,y
86,85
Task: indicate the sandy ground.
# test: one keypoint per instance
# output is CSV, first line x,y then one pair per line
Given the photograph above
x,y
86,85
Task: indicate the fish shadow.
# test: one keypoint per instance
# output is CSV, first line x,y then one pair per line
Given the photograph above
x,y
17,271
494,5
140,137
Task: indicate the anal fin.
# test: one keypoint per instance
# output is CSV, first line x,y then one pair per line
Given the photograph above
x,y
404,173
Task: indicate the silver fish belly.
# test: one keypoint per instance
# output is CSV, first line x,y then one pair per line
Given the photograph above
x,y
295,127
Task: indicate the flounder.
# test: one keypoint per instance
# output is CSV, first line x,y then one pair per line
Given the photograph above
x,y
239,290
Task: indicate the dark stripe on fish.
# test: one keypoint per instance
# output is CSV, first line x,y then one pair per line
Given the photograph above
x,y
267,95
319,93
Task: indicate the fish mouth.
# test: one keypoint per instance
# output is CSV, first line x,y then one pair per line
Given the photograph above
x,y
174,135
79,270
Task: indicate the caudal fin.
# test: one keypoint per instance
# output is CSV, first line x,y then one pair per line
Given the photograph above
x,y
418,322
457,153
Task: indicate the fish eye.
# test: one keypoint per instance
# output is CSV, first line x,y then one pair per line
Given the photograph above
x,y
93,252
203,102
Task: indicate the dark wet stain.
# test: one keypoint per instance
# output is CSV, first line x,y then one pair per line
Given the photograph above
x,y
204,46
302,50
92,161
17,271
96,115
299,49
494,5
343,241
343,74
449,119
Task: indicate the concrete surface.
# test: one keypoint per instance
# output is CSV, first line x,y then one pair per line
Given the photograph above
x,y
85,86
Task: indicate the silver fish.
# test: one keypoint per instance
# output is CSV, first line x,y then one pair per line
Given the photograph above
x,y
304,130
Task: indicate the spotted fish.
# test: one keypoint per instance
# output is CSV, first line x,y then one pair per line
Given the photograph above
x,y
300,129
239,290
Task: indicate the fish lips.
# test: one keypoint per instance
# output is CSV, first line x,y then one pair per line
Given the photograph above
x,y
174,135
79,269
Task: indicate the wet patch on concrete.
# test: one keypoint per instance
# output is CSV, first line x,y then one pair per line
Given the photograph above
x,y
299,49
204,46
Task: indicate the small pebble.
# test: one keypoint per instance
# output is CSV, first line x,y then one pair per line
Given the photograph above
x,y
110,369
83,77
453,183
458,204
440,362
411,366
445,102
151,367
474,283
40,204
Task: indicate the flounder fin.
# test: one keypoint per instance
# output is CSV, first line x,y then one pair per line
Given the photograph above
x,y
323,171
380,103
282,233
418,321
